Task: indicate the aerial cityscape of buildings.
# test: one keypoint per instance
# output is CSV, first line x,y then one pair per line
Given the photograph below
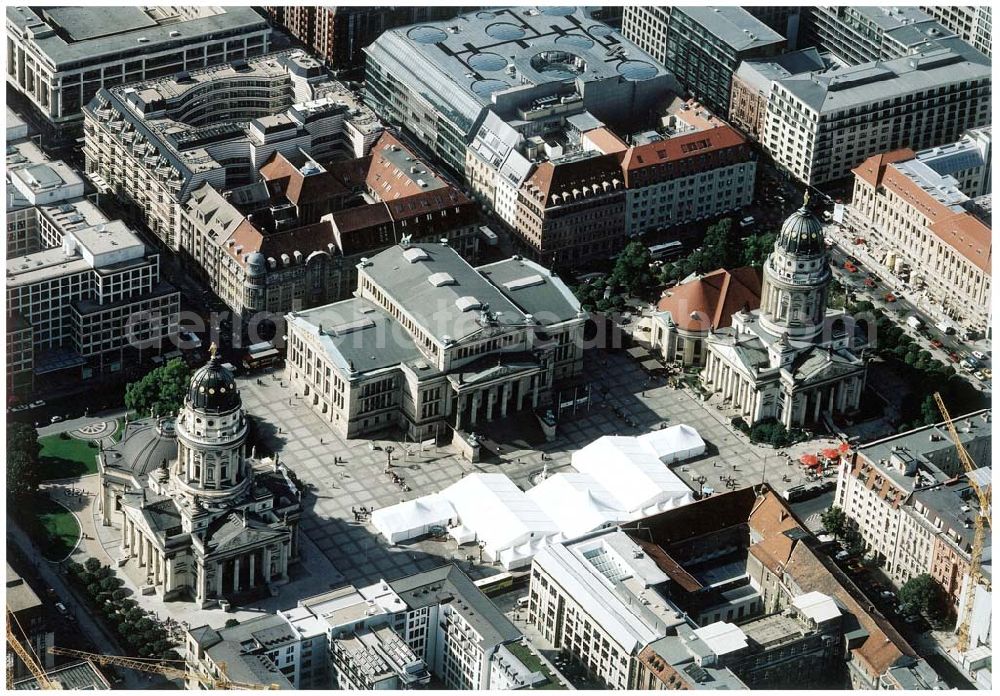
x,y
498,348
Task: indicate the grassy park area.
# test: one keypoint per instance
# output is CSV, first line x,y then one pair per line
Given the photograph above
x,y
59,526
66,457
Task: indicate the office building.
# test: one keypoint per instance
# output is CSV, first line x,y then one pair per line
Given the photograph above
x,y
398,634
693,167
152,144
201,520
738,561
819,126
87,306
862,34
909,205
263,650
972,23
35,183
60,57
752,86
791,360
583,191
908,497
688,312
431,343
702,46
293,240
525,64
339,34
30,623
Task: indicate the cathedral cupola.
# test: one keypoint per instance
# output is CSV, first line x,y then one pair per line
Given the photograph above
x,y
213,388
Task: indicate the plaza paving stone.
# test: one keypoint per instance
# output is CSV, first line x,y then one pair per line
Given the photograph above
x,y
360,555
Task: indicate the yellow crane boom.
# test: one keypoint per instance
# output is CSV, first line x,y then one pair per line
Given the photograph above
x,y
979,537
27,657
157,668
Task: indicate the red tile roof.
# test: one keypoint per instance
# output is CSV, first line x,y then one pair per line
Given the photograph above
x,y
962,230
711,301
682,147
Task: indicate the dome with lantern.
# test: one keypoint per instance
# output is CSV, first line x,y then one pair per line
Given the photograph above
x,y
213,388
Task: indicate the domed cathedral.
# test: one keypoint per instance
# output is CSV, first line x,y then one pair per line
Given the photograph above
x,y
200,519
792,360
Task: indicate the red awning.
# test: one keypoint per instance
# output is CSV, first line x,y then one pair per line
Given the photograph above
x,y
845,447
809,459
830,453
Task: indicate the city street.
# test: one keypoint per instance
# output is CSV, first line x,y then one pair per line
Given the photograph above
x,y
905,305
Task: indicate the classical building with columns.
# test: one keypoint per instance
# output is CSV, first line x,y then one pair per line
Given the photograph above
x,y
791,360
431,343
206,522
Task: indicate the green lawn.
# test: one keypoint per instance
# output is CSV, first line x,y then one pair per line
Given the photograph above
x,y
67,458
60,527
116,436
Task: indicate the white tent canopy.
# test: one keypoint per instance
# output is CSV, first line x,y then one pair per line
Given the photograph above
x,y
630,470
674,444
413,518
576,503
501,514
617,479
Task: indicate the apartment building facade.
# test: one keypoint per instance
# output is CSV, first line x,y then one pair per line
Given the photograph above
x,y
819,126
857,35
916,215
572,210
431,343
691,176
152,144
60,57
752,86
911,502
972,23
702,46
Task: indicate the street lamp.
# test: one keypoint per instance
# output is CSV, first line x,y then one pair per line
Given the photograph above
x,y
388,457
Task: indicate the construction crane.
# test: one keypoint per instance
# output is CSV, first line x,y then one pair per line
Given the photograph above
x,y
979,537
27,657
157,668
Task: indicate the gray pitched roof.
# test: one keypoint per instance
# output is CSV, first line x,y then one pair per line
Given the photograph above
x,y
448,584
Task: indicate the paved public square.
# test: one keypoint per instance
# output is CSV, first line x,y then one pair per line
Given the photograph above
x,y
344,475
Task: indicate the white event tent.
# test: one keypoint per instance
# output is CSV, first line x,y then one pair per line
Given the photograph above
x,y
617,479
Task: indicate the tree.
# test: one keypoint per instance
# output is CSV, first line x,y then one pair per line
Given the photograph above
x,y
854,543
23,472
632,272
834,521
770,431
92,564
922,594
232,622
756,248
161,390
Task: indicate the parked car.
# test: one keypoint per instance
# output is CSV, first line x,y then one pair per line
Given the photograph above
x,y
747,222
987,373
869,283
979,355
954,357
191,339
61,608
842,555
889,297
978,374
850,267
55,419
936,343
886,594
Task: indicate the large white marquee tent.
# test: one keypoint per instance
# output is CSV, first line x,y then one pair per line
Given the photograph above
x,y
617,479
